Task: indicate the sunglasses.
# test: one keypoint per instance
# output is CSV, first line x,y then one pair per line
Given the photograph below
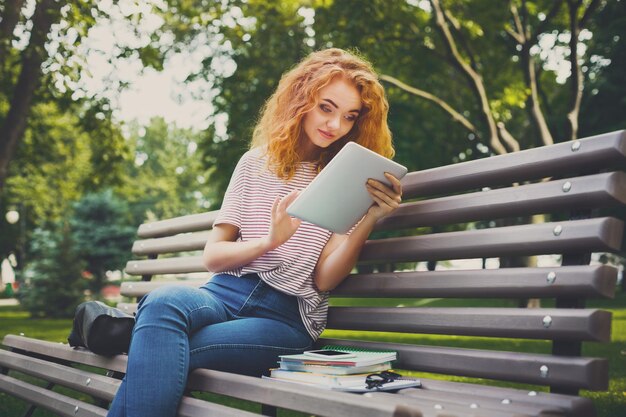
x,y
375,381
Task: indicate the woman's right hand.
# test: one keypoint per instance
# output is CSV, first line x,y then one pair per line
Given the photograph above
x,y
282,226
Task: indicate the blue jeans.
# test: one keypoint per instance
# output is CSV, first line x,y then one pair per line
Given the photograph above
x,y
232,324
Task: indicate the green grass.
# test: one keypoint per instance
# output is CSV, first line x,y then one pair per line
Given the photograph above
x,y
609,404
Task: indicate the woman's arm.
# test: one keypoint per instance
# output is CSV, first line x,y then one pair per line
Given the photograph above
x,y
342,251
222,252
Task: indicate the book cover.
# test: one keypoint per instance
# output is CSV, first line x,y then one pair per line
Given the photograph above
x,y
334,370
315,378
362,357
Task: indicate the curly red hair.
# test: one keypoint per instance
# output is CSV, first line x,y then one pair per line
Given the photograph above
x,y
280,124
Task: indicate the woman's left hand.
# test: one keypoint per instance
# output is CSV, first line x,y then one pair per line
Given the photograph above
x,y
387,199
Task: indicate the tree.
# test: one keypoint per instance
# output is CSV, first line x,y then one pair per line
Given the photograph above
x,y
166,178
55,285
101,229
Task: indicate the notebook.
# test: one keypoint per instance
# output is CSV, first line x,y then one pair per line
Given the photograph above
x,y
334,370
337,198
361,358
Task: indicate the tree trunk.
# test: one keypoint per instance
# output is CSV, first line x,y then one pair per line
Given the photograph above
x,y
474,79
576,78
11,131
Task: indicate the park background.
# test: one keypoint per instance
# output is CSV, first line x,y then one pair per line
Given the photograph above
x,y
114,113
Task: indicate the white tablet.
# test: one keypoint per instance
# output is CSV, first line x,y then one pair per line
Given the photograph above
x,y
337,198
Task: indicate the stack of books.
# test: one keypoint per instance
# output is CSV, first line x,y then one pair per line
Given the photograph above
x,y
340,373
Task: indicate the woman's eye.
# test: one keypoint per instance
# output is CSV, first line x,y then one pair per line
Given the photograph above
x,y
325,108
351,117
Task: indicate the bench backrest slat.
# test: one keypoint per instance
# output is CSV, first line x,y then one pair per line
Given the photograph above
x,y
603,234
595,153
596,281
184,224
602,190
589,281
545,323
596,235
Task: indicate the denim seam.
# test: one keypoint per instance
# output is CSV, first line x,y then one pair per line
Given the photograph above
x,y
191,312
249,296
245,346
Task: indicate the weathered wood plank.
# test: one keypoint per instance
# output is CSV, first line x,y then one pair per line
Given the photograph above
x,y
589,192
545,323
183,224
591,235
570,281
573,372
596,153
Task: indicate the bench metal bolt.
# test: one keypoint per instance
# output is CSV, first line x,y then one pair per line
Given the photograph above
x,y
473,405
557,230
567,186
506,401
532,394
88,381
76,410
547,321
575,145
438,407
544,371
551,277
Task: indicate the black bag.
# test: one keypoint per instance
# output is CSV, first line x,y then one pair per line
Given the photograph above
x,y
102,329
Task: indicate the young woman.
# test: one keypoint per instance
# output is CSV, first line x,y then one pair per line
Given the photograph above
x,y
273,272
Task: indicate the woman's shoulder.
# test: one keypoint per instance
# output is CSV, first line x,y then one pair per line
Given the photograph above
x,y
256,154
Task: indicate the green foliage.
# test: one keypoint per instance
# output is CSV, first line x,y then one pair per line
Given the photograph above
x,y
166,178
605,87
103,234
64,153
54,284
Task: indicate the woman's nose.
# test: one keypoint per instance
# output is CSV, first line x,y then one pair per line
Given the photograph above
x,y
333,122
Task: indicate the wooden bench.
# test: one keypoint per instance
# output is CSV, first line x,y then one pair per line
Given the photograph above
x,y
449,214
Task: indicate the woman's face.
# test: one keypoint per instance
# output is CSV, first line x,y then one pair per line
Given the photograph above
x,y
337,109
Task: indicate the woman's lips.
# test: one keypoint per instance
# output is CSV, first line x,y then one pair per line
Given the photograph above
x,y
326,134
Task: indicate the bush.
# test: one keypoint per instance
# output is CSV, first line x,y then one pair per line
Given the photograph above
x,y
54,284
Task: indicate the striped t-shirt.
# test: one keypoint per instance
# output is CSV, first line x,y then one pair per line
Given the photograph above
x,y
289,268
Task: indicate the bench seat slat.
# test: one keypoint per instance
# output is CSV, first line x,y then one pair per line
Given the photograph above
x,y
577,406
255,389
578,372
565,324
595,235
292,396
98,386
50,400
65,352
445,403
595,191
101,386
595,153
